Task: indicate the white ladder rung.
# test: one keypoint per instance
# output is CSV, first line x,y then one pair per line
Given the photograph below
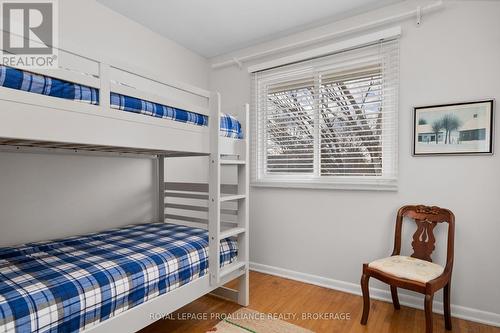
x,y
231,232
232,162
228,269
232,197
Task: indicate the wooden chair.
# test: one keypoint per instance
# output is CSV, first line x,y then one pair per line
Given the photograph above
x,y
417,272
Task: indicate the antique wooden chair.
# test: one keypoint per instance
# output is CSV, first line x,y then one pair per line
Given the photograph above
x,y
418,272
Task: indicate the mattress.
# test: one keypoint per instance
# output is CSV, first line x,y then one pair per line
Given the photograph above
x,y
45,85
71,284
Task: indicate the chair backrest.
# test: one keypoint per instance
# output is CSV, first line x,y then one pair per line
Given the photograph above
x,y
426,219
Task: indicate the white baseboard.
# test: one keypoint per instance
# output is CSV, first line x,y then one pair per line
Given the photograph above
x,y
458,311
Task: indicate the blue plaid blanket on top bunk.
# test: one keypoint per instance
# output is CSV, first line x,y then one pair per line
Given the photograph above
x,y
229,125
71,284
45,85
137,105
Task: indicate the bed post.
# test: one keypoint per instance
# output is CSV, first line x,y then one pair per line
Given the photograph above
x,y
160,163
214,190
104,87
243,212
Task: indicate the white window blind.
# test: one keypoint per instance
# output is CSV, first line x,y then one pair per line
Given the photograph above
x,y
330,121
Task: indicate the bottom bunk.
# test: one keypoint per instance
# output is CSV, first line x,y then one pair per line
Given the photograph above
x,y
76,283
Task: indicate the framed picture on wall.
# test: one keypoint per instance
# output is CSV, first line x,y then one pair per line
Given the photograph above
x,y
453,129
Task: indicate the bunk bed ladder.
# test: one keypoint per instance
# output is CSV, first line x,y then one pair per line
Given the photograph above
x,y
239,268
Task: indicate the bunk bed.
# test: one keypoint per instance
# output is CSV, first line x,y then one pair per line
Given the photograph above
x,y
116,280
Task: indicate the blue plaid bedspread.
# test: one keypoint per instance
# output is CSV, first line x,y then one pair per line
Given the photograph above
x,y
71,284
230,127
136,105
45,85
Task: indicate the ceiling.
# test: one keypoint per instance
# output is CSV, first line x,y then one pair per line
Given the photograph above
x,y
214,27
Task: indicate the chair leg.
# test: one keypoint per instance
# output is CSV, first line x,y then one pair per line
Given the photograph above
x,y
428,313
447,308
366,298
395,299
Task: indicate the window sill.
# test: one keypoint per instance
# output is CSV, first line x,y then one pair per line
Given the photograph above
x,y
381,185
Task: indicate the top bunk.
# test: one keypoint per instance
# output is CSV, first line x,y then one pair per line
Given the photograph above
x,y
87,104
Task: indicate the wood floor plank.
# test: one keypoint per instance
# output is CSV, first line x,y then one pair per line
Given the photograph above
x,y
271,294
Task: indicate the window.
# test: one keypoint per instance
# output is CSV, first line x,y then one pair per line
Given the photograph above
x,y
329,122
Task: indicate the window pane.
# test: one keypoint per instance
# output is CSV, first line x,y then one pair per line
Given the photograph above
x,y
330,121
289,127
351,123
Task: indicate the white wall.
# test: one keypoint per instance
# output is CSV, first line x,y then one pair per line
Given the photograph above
x,y
92,26
453,56
47,196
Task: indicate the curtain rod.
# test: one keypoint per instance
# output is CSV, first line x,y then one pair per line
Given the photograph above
x,y
330,49
395,18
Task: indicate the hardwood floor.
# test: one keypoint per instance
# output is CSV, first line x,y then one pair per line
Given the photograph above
x,y
275,295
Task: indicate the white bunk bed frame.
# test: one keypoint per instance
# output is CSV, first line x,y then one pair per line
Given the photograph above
x,y
32,122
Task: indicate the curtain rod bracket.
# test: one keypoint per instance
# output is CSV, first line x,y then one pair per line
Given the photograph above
x,y
238,62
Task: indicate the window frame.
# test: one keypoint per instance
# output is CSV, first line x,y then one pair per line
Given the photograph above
x,y
304,71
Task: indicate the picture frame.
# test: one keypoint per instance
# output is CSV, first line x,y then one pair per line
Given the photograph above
x,y
454,129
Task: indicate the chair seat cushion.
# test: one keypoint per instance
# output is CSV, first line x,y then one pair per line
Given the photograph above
x,y
408,268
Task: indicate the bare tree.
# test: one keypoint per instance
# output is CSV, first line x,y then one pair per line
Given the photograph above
x,y
350,127
351,138
437,126
450,122
290,128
